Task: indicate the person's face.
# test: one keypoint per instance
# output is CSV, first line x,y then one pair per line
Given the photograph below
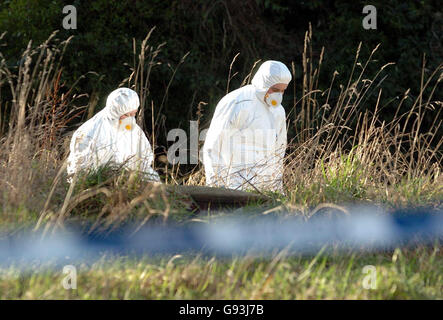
x,y
129,114
279,87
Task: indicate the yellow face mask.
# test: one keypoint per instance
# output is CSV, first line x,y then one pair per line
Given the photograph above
x,y
127,124
274,99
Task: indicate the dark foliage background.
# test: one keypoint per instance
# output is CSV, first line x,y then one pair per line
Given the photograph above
x,y
214,32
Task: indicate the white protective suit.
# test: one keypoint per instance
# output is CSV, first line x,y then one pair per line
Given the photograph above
x,y
106,139
246,141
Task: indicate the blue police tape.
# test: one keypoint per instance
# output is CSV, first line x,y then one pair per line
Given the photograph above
x,y
362,229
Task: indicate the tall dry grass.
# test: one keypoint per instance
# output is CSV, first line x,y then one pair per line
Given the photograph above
x,y
341,151
37,114
34,117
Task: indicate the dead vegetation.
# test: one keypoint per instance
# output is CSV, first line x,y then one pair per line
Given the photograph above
x,y
341,152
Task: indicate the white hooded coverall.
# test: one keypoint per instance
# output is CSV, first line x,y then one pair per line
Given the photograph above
x,y
246,141
105,139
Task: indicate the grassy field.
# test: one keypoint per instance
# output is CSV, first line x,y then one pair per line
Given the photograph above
x,y
401,274
341,154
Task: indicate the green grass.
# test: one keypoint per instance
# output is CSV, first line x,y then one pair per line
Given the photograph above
x,y
401,274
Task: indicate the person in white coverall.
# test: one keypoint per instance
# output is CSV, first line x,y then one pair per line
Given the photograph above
x,y
113,136
246,141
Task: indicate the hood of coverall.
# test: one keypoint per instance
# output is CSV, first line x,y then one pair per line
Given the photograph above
x,y
270,73
121,101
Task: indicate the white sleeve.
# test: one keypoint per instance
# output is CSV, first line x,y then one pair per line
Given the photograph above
x,y
80,150
241,116
227,119
143,158
222,126
281,145
282,139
